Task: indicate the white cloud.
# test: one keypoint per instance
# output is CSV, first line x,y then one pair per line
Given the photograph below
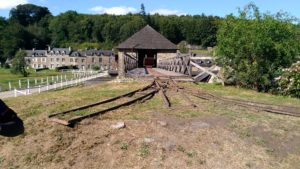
x,y
8,4
167,12
119,10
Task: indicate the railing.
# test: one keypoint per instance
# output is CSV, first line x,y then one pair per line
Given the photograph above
x,y
130,62
59,84
199,68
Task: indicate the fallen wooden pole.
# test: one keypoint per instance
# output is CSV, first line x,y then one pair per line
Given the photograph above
x,y
102,102
163,95
78,119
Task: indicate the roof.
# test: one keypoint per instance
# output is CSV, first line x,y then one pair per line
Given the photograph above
x,y
147,38
36,53
66,51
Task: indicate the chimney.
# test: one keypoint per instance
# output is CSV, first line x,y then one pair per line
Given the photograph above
x,y
49,48
70,48
33,49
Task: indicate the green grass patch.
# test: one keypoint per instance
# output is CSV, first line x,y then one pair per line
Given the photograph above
x,y
40,77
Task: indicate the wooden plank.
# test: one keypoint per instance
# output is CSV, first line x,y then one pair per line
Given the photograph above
x,y
203,69
102,102
202,58
163,95
59,121
78,119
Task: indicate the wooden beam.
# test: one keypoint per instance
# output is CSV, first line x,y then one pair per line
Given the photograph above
x,y
163,95
78,119
102,102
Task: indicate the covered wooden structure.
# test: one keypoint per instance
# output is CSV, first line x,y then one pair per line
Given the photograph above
x,y
144,49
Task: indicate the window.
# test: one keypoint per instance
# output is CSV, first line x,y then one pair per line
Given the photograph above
x,y
57,59
71,60
93,60
100,59
76,60
82,60
51,59
63,59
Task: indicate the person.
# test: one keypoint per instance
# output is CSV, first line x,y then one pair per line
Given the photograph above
x,y
10,124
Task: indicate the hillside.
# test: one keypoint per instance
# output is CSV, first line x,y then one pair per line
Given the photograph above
x,y
213,135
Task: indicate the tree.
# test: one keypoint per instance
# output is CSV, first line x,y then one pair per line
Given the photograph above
x,y
28,14
143,10
19,63
253,47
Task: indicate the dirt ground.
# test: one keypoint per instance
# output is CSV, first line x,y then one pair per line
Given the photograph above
x,y
209,136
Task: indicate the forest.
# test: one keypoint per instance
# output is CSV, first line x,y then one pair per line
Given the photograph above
x,y
30,26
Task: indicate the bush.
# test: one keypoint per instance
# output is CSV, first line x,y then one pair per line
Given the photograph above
x,y
289,83
254,47
95,67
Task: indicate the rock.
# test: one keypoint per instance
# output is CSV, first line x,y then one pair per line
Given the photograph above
x,y
169,146
199,125
119,125
149,140
162,123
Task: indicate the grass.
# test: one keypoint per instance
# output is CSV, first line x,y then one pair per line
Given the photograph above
x,y
6,76
241,123
144,150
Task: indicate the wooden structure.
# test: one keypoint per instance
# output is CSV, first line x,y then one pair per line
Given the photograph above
x,y
144,49
199,67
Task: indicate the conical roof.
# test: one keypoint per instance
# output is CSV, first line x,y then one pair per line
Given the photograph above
x,y
147,38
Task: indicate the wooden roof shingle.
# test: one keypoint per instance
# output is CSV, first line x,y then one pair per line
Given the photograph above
x,y
147,38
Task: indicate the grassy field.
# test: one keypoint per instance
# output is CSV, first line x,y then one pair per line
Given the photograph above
x,y
6,76
213,135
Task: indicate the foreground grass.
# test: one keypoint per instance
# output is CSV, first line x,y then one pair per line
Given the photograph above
x,y
248,138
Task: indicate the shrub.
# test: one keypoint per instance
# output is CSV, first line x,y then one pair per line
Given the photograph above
x,y
289,83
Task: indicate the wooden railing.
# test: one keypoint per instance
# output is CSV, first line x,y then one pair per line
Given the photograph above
x,y
130,62
199,68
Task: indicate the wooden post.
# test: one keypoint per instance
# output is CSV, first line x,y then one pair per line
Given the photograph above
x,y
15,91
9,86
47,83
20,84
121,65
35,81
61,81
39,88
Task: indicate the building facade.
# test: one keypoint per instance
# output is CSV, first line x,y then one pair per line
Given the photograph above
x,y
59,57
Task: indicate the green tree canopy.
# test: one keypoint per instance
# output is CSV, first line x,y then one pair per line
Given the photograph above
x,y
28,14
253,47
19,63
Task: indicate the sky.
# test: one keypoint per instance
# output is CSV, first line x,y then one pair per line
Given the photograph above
x,y
163,7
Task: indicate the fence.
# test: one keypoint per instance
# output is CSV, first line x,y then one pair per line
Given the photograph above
x,y
22,84
58,82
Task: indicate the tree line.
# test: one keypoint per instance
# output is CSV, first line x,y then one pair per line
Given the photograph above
x,y
30,26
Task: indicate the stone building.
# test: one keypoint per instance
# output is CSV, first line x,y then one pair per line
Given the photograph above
x,y
60,57
147,47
